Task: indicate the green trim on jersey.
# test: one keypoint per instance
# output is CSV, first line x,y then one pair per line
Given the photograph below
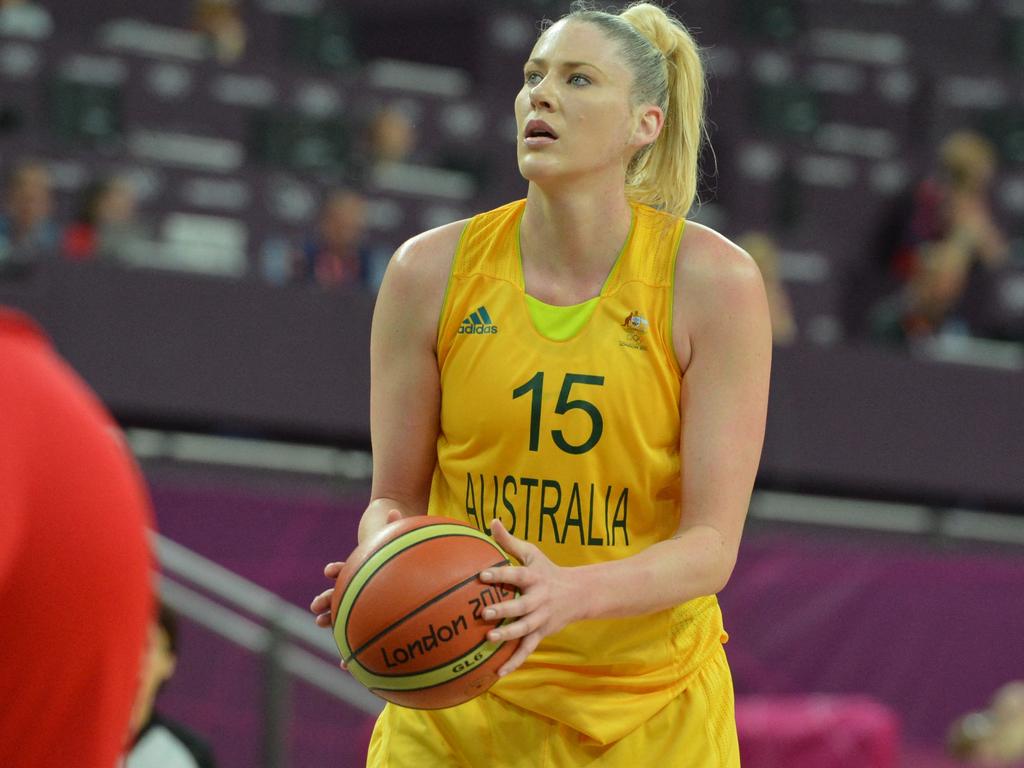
x,y
670,336
448,282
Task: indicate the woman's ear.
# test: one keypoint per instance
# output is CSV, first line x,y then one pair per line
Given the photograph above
x,y
648,128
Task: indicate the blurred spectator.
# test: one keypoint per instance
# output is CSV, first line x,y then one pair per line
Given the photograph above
x,y
949,228
926,305
993,736
221,23
389,137
392,136
159,742
106,225
341,252
952,211
26,229
765,253
21,18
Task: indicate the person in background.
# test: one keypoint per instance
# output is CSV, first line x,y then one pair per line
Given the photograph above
x,y
76,568
341,253
952,210
387,138
392,136
993,736
106,226
27,231
222,25
160,742
765,253
950,227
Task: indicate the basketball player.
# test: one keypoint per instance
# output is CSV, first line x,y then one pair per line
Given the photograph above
x,y
75,563
585,374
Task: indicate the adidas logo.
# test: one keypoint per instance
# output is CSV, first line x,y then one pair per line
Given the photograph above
x,y
478,322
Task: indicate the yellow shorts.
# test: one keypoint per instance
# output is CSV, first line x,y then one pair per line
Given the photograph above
x,y
695,730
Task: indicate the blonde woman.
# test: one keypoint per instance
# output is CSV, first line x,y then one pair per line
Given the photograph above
x,y
584,374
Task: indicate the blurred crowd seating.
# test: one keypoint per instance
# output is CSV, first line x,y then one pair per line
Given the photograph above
x,y
823,113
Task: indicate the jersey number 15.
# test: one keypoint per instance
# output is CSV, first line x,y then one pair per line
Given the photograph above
x,y
535,387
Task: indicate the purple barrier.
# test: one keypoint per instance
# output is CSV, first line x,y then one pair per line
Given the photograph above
x,y
217,691
929,633
280,541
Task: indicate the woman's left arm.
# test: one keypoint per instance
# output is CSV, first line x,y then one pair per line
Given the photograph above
x,y
723,343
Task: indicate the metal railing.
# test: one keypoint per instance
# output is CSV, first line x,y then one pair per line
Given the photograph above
x,y
259,621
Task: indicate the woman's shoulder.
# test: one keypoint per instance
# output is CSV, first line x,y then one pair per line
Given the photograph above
x,y
423,262
435,245
715,278
719,293
709,258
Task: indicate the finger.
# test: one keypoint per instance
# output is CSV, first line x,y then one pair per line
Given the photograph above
x,y
508,609
515,547
323,620
521,628
514,575
321,602
393,516
527,646
331,570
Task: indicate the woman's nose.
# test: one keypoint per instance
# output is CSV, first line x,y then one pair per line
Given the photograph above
x,y
540,96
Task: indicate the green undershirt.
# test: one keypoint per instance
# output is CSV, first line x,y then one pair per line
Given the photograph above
x,y
560,323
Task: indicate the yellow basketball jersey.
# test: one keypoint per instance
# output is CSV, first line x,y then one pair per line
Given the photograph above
x,y
574,445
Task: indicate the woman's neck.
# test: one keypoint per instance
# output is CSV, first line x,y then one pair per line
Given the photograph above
x,y
570,242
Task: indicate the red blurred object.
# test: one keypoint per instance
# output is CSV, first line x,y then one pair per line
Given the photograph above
x,y
817,731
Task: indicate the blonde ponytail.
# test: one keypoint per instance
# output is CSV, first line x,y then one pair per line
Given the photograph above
x,y
667,71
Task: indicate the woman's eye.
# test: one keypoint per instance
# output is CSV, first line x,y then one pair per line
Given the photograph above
x,y
579,80
532,78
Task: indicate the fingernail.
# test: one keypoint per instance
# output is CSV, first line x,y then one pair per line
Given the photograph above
x,y
489,613
486,575
494,636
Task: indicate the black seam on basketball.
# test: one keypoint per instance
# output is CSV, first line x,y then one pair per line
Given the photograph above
x,y
482,643
421,608
399,537
366,562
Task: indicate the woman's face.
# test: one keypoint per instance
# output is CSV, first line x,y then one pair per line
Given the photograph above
x,y
574,113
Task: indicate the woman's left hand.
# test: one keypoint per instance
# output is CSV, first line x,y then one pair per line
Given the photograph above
x,y
548,597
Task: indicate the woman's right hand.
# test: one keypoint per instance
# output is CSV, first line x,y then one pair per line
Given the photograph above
x,y
321,605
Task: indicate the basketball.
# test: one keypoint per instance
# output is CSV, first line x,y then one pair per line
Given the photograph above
x,y
407,613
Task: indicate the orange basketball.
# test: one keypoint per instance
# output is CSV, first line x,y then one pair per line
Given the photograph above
x,y
408,613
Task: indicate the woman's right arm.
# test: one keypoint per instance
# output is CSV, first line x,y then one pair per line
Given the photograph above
x,y
405,388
